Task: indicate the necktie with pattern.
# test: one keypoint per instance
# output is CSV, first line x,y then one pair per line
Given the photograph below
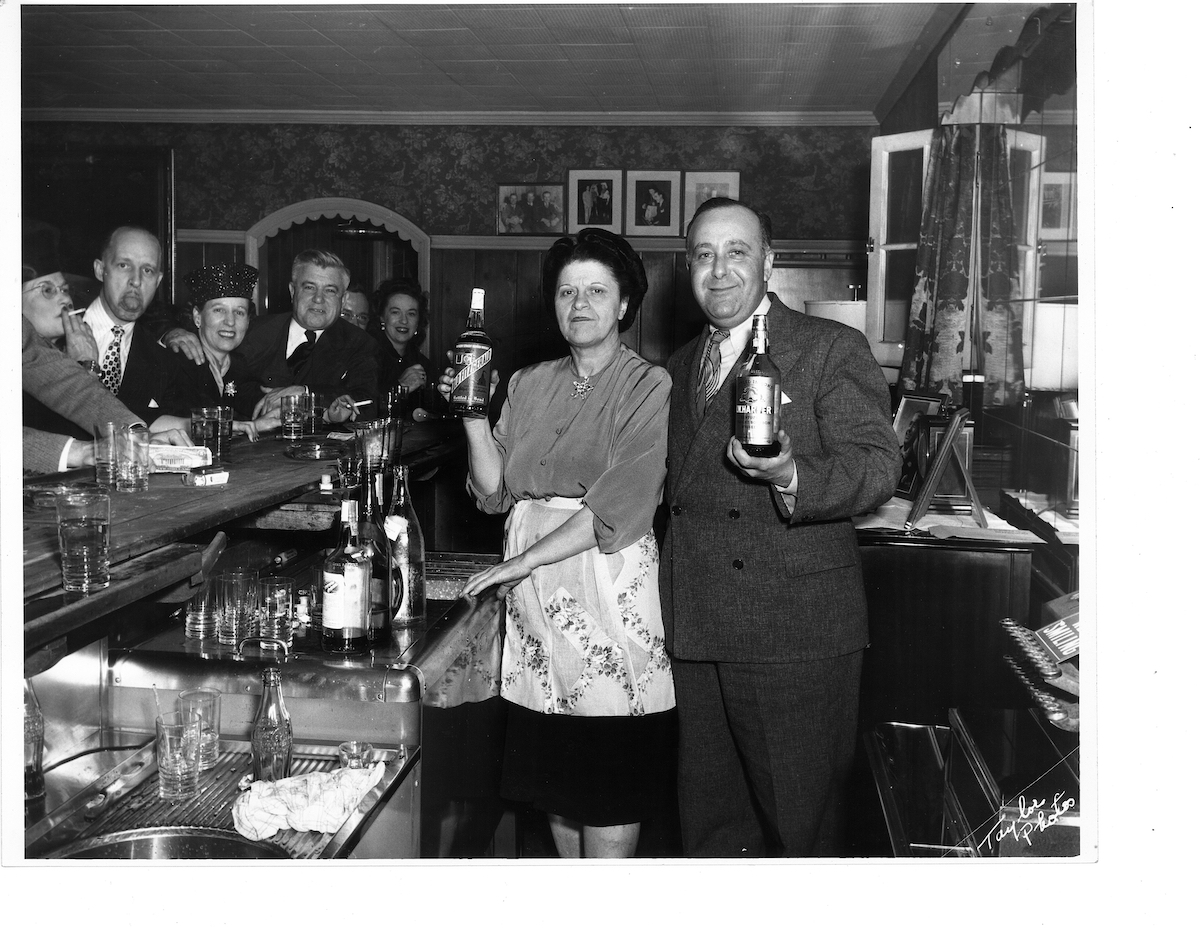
x,y
298,360
710,371
110,367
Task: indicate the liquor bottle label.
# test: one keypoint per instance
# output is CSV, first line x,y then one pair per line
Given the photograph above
x,y
755,410
342,605
471,361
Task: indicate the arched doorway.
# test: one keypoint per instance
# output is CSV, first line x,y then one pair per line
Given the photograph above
x,y
374,241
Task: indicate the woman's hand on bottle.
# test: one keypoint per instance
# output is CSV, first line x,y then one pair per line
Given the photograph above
x,y
446,381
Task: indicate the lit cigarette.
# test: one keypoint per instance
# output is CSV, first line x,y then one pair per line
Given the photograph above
x,y
76,312
360,403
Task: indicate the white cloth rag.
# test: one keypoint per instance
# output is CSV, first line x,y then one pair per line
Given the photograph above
x,y
320,801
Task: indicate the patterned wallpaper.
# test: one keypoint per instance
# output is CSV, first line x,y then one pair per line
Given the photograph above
x,y
812,180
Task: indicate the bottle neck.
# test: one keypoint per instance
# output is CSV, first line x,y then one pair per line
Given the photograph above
x,y
759,335
399,487
475,319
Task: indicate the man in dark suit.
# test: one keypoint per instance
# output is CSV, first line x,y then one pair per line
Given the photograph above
x,y
131,362
763,598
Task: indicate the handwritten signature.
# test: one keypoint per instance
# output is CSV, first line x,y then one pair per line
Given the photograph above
x,y
1032,817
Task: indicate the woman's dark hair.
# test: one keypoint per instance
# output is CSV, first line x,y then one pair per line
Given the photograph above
x,y
608,249
408,286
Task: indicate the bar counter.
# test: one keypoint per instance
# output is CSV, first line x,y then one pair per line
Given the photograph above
x,y
149,547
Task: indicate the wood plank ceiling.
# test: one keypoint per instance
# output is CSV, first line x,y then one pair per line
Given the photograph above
x,y
481,62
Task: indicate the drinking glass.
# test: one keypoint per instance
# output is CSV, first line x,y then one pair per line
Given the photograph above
x,y
294,414
368,438
177,750
277,595
350,470
212,427
133,459
200,618
355,754
206,704
104,451
237,600
83,527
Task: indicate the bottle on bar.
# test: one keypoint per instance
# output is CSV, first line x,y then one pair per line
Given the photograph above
x,y
271,737
407,544
346,581
375,546
472,365
757,392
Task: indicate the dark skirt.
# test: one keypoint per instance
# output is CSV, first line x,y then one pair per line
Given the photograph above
x,y
595,770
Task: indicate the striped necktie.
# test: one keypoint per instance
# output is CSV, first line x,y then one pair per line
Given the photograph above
x,y
710,371
110,367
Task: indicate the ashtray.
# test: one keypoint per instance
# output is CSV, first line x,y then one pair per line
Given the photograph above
x,y
315,450
43,495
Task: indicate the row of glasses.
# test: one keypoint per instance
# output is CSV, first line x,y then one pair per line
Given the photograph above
x,y
187,742
237,604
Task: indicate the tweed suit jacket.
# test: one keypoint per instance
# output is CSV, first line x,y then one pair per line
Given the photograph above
x,y
743,580
63,386
345,359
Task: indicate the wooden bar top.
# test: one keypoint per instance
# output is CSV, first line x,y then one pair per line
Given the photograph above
x,y
261,476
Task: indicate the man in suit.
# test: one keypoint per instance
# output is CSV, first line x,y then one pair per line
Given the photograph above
x,y
312,350
68,389
763,598
131,362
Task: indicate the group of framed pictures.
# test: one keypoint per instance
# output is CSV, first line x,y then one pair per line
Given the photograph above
x,y
624,202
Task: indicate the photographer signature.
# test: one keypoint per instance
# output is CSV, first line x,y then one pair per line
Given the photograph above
x,y
1033,816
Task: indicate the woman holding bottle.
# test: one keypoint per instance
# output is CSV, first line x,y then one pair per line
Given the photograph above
x,y
578,459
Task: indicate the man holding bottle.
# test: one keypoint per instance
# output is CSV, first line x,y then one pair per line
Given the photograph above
x,y
763,600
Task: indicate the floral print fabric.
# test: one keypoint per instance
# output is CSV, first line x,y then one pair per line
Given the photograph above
x,y
584,636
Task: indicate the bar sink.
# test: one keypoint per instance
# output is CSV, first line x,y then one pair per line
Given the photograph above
x,y
170,843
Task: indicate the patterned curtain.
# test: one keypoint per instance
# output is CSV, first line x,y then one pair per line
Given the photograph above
x,y
998,333
940,309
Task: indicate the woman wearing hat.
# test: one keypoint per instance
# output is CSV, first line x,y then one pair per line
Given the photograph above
x,y
221,305
579,457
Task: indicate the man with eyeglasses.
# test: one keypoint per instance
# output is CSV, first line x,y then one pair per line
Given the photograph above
x,y
312,350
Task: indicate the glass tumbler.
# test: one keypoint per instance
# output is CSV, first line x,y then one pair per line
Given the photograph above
x,y
277,596
237,600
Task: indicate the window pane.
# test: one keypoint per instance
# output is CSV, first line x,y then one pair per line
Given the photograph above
x,y
900,277
904,196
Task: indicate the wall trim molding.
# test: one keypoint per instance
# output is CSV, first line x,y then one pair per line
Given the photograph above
x,y
789,251
509,118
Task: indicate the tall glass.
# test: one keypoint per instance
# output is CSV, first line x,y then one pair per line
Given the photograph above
x,y
177,750
83,527
133,459
200,618
237,599
295,414
206,704
104,451
212,427
277,595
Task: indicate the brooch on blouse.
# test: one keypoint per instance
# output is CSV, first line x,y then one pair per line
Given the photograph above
x,y
582,387
230,389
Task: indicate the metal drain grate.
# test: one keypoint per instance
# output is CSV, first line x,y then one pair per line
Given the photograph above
x,y
211,807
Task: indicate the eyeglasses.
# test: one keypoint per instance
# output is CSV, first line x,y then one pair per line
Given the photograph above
x,y
48,289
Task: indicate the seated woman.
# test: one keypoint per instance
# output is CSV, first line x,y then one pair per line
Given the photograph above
x,y
46,303
401,309
579,457
221,308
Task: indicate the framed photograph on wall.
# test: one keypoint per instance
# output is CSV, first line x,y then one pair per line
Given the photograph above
x,y
699,186
1060,206
529,209
652,200
594,199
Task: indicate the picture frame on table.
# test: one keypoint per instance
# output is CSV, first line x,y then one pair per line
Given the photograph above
x,y
517,214
699,186
912,412
1059,216
652,201
595,199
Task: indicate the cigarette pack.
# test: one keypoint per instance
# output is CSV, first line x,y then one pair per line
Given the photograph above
x,y
207,476
172,459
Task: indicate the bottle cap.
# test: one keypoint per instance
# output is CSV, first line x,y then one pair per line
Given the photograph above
x,y
476,299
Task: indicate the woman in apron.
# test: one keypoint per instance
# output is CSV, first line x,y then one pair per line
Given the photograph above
x,y
578,460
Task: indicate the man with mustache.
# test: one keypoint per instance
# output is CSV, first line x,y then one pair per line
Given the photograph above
x,y
131,361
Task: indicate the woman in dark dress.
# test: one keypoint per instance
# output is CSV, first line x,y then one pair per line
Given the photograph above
x,y
401,309
221,309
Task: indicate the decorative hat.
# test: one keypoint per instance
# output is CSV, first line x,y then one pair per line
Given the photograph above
x,y
214,281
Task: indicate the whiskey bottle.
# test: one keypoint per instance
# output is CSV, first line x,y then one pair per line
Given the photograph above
x,y
757,393
472,365
346,581
407,549
375,547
